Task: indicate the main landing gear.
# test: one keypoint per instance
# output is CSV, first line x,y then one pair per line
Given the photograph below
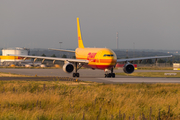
x,y
76,74
108,75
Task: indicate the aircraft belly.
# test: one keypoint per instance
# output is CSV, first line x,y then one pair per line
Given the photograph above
x,y
101,66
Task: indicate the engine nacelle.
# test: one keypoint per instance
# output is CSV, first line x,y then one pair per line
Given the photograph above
x,y
128,68
68,67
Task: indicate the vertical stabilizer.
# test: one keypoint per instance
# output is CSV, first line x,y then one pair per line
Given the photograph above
x,y
80,41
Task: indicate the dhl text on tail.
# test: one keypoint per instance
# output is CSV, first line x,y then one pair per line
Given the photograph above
x,y
94,58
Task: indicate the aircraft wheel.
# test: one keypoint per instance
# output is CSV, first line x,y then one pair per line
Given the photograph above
x,y
105,75
109,75
74,74
77,74
113,75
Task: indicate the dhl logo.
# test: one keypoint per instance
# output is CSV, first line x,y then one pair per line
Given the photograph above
x,y
91,55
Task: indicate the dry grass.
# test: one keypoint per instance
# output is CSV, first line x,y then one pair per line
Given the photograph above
x,y
151,74
19,67
30,100
11,75
155,68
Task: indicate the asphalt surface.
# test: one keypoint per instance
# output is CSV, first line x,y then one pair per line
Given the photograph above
x,y
39,78
86,75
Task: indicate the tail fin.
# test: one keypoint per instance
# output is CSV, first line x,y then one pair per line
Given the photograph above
x,y
80,41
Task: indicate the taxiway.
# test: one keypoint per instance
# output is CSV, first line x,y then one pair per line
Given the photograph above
x,y
94,75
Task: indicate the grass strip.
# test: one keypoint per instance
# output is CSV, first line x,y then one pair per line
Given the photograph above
x,y
155,68
47,100
151,74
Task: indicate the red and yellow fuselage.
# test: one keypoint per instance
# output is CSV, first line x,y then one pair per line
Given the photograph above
x,y
99,58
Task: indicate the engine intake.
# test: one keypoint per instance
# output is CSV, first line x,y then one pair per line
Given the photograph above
x,y
128,68
68,67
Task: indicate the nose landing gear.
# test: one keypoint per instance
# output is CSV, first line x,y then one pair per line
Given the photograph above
x,y
108,75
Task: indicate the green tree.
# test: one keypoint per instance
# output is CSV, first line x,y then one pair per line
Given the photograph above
x,y
150,61
169,61
53,55
161,61
64,56
43,55
135,62
144,62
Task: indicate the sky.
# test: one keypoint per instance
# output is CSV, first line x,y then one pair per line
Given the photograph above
x,y
141,24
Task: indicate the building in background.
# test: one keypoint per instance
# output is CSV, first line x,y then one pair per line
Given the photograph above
x,y
176,66
6,54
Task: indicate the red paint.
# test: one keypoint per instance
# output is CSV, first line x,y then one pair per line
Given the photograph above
x,y
20,57
79,38
98,60
91,55
101,66
122,65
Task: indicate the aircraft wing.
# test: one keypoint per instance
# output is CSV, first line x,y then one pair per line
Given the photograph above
x,y
142,58
61,50
53,58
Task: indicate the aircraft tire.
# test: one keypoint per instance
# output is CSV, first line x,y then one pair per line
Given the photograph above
x,y
105,75
77,74
74,74
113,75
109,75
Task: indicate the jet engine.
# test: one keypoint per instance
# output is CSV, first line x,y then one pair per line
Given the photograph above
x,y
68,67
128,68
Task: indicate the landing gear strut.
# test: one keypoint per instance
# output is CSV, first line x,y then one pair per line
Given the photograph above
x,y
110,74
76,74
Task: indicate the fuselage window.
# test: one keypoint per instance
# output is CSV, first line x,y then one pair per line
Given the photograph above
x,y
108,55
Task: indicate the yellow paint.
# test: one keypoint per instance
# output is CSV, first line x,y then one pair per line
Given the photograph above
x,y
80,42
176,68
94,55
88,54
11,58
12,65
56,65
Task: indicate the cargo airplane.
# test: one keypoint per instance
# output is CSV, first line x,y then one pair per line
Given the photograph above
x,y
94,58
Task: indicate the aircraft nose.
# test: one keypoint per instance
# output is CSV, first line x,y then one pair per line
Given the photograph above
x,y
110,61
113,62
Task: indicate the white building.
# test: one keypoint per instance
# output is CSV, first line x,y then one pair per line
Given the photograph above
x,y
6,54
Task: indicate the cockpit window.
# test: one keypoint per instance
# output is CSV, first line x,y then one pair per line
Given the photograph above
x,y
108,55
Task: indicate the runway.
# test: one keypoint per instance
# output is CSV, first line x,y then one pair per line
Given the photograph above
x,y
93,75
